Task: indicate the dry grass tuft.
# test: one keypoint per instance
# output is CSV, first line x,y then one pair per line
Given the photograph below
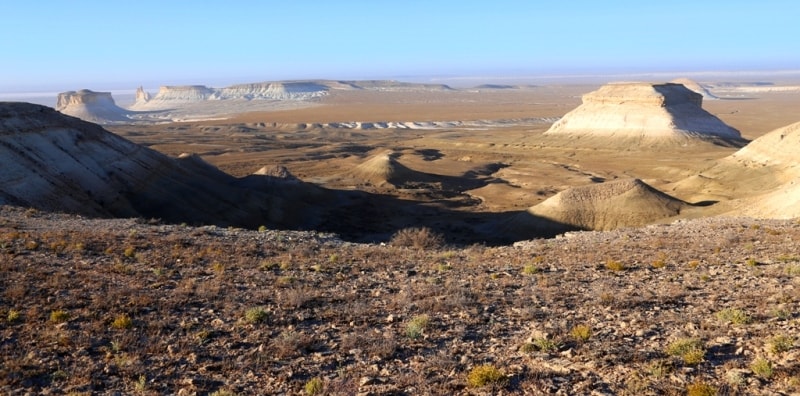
x,y
418,238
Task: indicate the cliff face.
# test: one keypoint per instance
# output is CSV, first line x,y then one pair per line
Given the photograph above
x,y
645,113
91,106
659,95
83,97
188,94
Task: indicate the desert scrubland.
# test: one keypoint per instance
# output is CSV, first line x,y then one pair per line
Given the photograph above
x,y
390,238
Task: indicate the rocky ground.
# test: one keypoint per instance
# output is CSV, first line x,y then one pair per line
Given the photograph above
x,y
133,306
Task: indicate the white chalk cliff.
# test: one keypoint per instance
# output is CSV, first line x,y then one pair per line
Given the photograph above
x,y
168,96
91,106
642,112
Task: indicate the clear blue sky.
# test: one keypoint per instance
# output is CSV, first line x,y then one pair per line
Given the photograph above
x,y
109,44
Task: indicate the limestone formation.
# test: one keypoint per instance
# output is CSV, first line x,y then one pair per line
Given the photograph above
x,y
643,114
142,96
91,106
696,87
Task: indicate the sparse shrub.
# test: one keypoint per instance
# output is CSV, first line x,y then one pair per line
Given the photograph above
x,y
780,344
735,316
314,386
787,258
530,269
31,245
13,316
484,375
607,299
581,332
130,252
661,261
751,262
691,350
122,321
762,368
546,345
262,228
267,265
659,368
699,388
290,343
141,384
615,265
218,267
256,315
693,264
419,238
416,326
59,316
793,270
734,378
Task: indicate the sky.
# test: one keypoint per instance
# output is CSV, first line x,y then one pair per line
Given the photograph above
x,y
70,45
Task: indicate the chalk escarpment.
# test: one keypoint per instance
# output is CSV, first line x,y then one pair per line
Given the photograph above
x,y
642,114
91,106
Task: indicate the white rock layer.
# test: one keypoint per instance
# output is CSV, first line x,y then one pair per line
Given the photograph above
x,y
642,111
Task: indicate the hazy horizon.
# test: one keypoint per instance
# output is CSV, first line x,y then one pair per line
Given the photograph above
x,y
107,46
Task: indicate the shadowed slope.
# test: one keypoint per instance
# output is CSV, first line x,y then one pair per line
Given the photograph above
x,y
59,163
604,206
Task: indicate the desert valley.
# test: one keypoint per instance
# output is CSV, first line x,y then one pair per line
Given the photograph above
x,y
385,237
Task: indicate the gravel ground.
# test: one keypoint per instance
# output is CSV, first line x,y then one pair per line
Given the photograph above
x,y
131,306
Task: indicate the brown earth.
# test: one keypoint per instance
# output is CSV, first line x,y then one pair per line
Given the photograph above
x,y
127,307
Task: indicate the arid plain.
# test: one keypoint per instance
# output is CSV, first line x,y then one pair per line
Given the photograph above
x,y
187,295
480,151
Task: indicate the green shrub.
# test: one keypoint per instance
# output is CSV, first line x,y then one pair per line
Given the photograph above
x,y
255,315
122,322
699,388
416,326
780,344
581,332
735,316
762,368
485,375
691,350
314,386
59,316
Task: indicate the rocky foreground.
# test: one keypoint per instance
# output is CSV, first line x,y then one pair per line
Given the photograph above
x,y
133,306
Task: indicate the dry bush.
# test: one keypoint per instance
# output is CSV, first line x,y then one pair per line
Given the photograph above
x,y
419,238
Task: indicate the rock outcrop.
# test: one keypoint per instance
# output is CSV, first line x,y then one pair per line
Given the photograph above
x,y
59,163
91,106
696,87
168,96
642,114
142,96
